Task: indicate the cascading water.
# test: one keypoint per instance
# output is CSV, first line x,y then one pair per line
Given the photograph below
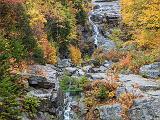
x,y
95,29
103,10
67,111
110,8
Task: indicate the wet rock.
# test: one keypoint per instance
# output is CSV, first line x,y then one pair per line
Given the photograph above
x,y
96,7
45,116
145,109
106,44
110,112
143,83
151,71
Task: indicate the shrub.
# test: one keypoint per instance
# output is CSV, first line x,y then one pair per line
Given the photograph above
x,y
102,93
70,84
116,37
99,55
9,107
30,105
126,101
135,59
38,55
115,55
51,54
75,55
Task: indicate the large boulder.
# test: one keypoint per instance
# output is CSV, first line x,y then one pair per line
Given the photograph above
x,y
145,109
40,82
64,63
144,84
110,112
151,70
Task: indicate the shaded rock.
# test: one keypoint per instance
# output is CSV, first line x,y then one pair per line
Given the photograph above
x,y
40,82
145,109
110,112
151,71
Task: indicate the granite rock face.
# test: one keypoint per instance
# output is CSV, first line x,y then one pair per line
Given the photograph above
x,y
145,109
143,83
110,112
44,84
151,70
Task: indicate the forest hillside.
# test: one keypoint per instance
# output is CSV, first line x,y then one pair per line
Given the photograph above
x,y
79,59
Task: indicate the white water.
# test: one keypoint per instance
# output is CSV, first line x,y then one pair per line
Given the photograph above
x,y
95,30
110,8
67,111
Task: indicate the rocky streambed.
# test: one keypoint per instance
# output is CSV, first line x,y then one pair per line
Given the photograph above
x,y
43,80
72,107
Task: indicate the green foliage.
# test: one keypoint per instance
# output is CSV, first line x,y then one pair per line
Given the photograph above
x,y
81,17
30,105
7,87
116,37
11,49
38,55
70,84
103,92
9,107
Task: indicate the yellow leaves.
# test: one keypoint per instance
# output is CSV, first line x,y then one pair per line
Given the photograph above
x,y
52,54
111,94
144,17
75,55
148,38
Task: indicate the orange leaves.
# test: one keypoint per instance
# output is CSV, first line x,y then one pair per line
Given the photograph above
x,y
75,54
126,100
126,61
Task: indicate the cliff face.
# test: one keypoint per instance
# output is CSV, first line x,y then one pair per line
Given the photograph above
x,y
43,83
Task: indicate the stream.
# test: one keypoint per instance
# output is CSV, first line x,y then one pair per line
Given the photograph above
x,y
103,9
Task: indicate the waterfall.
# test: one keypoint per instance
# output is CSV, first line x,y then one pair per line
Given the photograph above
x,y
109,8
67,111
95,30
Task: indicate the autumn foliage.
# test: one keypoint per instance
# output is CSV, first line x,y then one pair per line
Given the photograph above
x,y
143,16
75,54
